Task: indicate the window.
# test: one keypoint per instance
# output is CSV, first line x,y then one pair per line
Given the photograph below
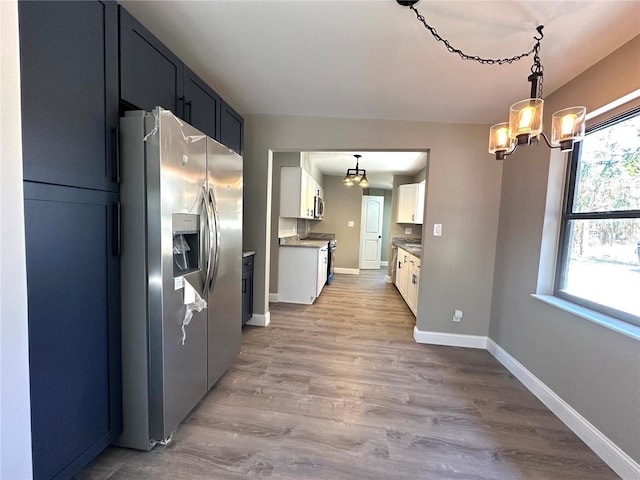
x,y
599,256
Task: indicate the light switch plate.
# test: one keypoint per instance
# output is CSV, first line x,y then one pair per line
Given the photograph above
x,y
437,229
408,231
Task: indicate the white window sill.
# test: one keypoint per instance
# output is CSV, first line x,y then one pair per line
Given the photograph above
x,y
611,323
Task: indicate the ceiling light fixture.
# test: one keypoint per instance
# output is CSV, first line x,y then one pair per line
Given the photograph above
x,y
356,175
525,117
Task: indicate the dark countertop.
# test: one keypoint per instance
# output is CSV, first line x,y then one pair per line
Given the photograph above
x,y
248,253
409,245
320,236
304,243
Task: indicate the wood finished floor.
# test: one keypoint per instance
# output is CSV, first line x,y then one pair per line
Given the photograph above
x,y
332,392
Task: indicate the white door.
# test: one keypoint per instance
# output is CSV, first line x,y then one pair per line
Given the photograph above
x,y
371,232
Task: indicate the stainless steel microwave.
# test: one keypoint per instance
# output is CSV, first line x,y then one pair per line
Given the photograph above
x,y
318,207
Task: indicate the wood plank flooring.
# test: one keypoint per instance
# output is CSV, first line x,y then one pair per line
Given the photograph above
x,y
340,390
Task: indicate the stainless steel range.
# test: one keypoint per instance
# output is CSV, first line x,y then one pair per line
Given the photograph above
x,y
331,261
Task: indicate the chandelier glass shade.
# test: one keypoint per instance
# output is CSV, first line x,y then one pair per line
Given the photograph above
x,y
356,175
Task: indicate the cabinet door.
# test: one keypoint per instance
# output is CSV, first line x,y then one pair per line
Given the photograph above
x,y
307,195
402,275
293,185
247,289
69,80
74,314
150,74
231,128
322,270
201,104
405,204
420,193
412,284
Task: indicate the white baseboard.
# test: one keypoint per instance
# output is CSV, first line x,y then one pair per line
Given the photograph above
x,y
259,320
449,339
347,271
273,298
384,263
608,451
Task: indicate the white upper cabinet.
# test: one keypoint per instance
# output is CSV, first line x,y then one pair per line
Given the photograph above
x,y
297,189
411,203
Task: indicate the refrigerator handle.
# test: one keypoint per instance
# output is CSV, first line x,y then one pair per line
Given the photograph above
x,y
216,238
207,209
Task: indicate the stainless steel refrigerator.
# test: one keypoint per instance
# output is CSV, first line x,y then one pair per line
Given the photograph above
x,y
181,197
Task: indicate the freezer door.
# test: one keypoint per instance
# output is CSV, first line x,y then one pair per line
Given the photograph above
x,y
176,176
224,285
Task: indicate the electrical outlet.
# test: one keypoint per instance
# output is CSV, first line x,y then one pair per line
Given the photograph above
x,y
457,315
351,223
408,231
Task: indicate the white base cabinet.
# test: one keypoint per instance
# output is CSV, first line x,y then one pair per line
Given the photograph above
x,y
302,273
408,278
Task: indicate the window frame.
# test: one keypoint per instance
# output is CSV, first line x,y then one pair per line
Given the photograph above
x,y
567,215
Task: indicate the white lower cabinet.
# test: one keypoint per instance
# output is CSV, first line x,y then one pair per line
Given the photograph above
x,y
412,284
302,273
402,271
408,278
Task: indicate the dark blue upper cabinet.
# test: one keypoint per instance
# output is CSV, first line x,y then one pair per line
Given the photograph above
x,y
150,74
69,70
231,128
201,104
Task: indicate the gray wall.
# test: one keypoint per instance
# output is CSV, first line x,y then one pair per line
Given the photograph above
x,y
421,176
341,205
595,370
15,415
280,159
463,195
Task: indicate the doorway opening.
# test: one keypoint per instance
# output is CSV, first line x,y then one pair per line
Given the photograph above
x,y
363,221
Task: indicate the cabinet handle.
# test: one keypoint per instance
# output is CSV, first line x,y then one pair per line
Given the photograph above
x,y
181,100
244,285
188,104
116,228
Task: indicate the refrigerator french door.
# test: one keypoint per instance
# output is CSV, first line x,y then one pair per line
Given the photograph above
x,y
173,260
224,290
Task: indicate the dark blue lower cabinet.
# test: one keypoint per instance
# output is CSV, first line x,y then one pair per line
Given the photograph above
x,y
73,287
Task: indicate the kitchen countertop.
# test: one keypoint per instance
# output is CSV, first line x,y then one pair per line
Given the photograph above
x,y
248,253
409,245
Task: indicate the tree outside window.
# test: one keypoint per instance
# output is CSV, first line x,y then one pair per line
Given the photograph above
x,y
599,254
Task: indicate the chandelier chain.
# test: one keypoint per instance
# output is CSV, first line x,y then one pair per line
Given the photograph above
x,y
537,68
485,61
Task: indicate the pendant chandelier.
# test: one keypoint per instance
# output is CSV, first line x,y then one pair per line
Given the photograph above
x,y
356,175
525,117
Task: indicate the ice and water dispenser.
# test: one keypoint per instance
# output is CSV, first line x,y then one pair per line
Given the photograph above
x,y
186,244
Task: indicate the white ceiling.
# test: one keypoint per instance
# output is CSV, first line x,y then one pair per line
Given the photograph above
x,y
372,59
